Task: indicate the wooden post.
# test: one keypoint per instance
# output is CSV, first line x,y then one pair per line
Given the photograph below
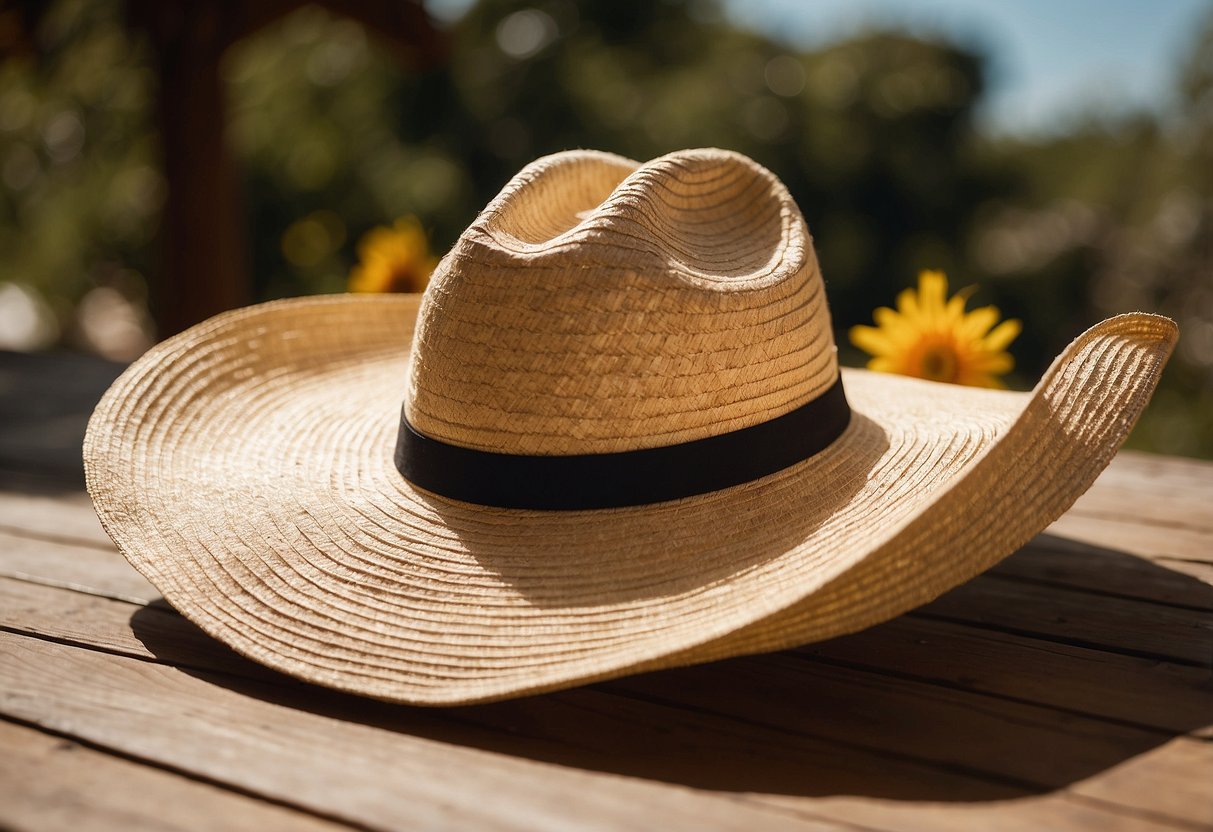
x,y
203,245
203,260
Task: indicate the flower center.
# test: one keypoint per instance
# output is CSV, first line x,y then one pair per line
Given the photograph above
x,y
405,278
938,363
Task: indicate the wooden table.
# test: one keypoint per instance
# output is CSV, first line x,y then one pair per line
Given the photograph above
x,y
1068,688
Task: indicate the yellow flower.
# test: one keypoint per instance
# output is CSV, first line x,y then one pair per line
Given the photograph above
x,y
931,336
395,259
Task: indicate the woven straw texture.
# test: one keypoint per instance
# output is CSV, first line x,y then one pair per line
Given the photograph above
x,y
245,466
597,307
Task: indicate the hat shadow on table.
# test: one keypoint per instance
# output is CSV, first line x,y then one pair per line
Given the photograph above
x,y
843,717
548,565
541,512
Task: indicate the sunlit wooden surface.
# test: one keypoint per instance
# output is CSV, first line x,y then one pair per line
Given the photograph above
x,y
1068,688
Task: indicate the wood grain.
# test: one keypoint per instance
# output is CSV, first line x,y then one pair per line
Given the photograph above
x,y
49,783
286,749
280,749
83,567
1142,692
65,517
919,736
1124,533
1140,491
1126,626
1068,688
1050,560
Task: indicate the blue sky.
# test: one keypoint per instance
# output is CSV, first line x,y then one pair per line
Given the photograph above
x,y
1050,60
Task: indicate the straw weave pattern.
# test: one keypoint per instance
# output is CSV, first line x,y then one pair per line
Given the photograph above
x,y
245,466
598,306
246,471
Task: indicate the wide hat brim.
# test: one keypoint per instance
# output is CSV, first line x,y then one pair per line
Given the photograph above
x,y
245,468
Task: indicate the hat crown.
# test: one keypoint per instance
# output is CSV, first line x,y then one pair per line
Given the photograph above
x,y
598,306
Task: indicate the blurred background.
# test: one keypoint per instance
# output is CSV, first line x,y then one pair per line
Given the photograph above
x,y
160,162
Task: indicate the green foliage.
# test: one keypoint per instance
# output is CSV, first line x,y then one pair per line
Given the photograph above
x,y
873,136
79,188
870,136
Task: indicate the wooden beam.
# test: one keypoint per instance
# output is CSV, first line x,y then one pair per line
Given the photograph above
x,y
204,262
203,247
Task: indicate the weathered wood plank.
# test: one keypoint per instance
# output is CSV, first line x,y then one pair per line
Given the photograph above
x,y
1141,490
69,517
1046,813
1157,473
1118,498
1141,692
1201,571
288,749
1057,561
1136,691
1129,535
95,621
107,624
83,567
998,740
257,737
1175,777
766,698
1117,625
1153,490
49,783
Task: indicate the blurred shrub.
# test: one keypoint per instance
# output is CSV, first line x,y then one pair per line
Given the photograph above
x,y
873,136
870,136
79,186
1115,217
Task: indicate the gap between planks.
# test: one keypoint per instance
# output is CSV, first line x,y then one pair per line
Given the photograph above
x,y
259,743
51,781
1136,626
413,773
977,606
1141,534
1148,491
777,701
986,604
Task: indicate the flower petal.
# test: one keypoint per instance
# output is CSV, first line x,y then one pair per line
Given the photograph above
x,y
998,363
978,322
954,313
887,318
872,340
932,287
907,305
931,335
1002,335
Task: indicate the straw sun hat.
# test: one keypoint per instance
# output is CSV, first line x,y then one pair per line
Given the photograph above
x,y
625,444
